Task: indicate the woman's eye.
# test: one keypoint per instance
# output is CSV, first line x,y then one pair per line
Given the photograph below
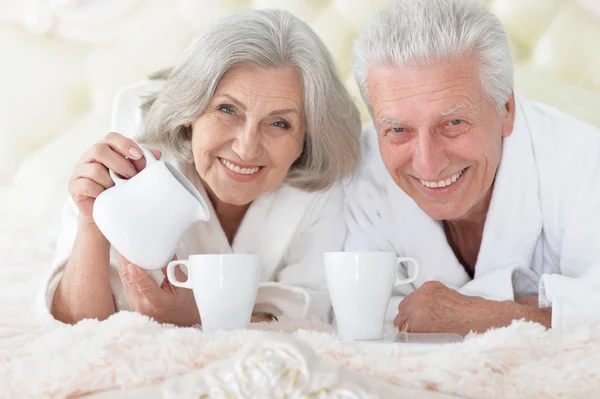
x,y
455,122
226,109
282,124
397,129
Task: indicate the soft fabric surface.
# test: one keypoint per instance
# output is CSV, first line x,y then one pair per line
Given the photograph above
x,y
129,350
70,60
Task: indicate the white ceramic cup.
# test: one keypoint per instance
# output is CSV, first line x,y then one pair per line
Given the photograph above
x,y
360,286
145,217
225,288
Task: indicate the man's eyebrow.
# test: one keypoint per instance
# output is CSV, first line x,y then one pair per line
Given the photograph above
x,y
396,121
391,121
455,108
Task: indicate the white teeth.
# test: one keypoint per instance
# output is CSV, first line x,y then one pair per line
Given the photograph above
x,y
237,169
442,183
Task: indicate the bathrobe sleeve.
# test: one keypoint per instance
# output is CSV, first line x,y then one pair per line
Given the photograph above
x,y
64,246
574,293
367,215
321,230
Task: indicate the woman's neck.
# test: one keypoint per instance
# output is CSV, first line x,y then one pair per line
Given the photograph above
x,y
230,216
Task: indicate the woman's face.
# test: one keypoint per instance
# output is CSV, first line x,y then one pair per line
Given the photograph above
x,y
251,132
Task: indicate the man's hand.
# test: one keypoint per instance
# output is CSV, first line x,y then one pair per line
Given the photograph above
x,y
528,300
436,308
166,304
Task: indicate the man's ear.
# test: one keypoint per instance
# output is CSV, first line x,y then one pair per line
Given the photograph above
x,y
508,121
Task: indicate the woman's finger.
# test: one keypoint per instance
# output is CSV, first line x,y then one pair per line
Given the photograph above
x,y
82,189
123,145
141,163
93,171
102,153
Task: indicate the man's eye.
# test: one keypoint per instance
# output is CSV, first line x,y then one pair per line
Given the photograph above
x,y
397,129
282,124
226,109
455,122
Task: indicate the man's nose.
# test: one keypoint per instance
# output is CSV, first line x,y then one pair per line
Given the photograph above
x,y
429,159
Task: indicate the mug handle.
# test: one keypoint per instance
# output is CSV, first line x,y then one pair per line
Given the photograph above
x,y
410,279
149,160
171,274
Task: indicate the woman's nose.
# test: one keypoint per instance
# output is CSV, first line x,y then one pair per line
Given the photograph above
x,y
247,144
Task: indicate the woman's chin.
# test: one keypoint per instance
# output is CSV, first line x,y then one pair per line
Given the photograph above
x,y
235,198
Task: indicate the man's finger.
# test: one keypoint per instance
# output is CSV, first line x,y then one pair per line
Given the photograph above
x,y
403,313
400,321
404,325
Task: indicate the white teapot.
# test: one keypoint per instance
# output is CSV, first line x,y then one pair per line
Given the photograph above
x,y
145,217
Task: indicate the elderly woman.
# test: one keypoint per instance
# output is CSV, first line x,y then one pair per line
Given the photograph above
x,y
255,116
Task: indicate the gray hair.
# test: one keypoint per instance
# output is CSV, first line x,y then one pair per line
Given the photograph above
x,y
267,38
422,32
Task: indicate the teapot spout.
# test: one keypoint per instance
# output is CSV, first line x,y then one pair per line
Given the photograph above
x,y
202,212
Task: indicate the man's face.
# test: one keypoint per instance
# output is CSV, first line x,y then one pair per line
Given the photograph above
x,y
439,136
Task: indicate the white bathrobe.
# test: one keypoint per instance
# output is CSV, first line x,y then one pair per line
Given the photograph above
x,y
289,228
542,232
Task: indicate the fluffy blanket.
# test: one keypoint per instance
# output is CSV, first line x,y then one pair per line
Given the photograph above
x,y
129,350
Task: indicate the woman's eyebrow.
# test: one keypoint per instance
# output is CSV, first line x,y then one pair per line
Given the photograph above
x,y
241,105
235,101
284,111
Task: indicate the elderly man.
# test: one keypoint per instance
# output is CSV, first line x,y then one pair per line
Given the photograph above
x,y
497,197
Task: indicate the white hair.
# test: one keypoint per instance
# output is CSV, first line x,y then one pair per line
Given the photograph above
x,y
266,38
423,32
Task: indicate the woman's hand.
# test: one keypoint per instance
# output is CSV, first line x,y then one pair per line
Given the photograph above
x,y
84,291
166,304
90,176
262,318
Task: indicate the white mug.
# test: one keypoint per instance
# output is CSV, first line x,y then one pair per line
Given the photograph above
x,y
360,286
225,288
145,217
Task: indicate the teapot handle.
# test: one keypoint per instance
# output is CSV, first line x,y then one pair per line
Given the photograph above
x,y
150,159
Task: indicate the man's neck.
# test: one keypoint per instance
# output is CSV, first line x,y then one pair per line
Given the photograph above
x,y
476,216
466,233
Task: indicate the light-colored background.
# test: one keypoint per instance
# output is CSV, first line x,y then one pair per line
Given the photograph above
x,y
63,61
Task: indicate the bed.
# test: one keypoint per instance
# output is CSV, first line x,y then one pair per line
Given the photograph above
x,y
67,61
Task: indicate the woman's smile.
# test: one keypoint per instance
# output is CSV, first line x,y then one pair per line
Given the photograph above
x,y
239,172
